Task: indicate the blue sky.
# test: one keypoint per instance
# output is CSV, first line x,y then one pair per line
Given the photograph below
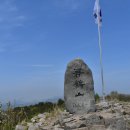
x,y
38,39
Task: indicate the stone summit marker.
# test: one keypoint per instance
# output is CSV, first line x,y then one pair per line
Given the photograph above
x,y
79,88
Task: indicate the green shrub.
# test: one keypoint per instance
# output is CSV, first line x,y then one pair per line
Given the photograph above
x,y
97,97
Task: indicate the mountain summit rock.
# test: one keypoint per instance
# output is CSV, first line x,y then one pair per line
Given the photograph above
x,y
79,88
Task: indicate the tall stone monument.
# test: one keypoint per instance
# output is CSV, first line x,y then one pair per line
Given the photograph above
x,y
79,88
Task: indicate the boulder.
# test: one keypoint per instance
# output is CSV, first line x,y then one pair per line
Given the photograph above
x,y
79,88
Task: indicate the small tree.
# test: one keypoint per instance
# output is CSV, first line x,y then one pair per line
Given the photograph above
x,y
97,97
60,102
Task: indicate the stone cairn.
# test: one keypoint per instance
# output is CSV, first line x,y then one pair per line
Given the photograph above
x,y
79,88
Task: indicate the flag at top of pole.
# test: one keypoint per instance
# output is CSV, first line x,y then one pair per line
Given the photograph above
x,y
97,13
98,20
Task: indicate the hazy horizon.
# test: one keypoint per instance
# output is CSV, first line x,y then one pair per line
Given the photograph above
x,y
39,38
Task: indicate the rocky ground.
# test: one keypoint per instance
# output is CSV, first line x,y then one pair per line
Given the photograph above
x,y
110,116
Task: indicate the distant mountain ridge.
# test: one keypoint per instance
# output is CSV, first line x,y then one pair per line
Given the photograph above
x,y
18,103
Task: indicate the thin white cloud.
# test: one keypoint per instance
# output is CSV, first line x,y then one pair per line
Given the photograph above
x,y
20,17
70,5
9,15
10,18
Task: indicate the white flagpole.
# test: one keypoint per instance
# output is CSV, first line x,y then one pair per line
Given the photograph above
x,y
101,64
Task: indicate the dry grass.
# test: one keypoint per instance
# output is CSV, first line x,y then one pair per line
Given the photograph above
x,y
9,118
55,112
53,115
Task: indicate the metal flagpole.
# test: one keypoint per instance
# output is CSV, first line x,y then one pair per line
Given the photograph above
x,y
101,64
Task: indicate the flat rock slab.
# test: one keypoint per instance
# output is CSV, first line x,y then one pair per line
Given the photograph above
x,y
79,88
95,127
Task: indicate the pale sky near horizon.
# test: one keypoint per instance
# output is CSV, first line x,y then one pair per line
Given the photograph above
x,y
39,37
